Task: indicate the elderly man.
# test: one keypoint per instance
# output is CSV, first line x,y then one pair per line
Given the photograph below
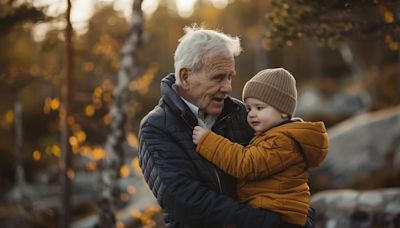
x,y
191,190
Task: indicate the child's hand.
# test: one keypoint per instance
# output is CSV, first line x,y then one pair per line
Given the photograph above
x,y
198,132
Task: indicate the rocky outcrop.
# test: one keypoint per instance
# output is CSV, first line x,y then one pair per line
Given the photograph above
x,y
353,209
364,153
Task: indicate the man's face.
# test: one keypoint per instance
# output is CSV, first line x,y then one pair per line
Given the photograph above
x,y
208,87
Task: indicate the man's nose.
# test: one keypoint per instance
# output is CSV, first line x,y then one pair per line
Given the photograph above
x,y
226,86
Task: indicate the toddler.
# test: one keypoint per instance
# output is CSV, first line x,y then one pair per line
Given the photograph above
x,y
272,170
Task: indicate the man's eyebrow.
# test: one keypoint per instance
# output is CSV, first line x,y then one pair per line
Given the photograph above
x,y
221,75
218,75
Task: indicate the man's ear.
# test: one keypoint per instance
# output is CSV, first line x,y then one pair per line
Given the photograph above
x,y
184,77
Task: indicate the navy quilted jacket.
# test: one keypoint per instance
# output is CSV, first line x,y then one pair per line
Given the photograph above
x,y
191,190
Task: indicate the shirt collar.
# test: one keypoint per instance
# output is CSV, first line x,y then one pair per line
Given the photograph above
x,y
192,107
203,121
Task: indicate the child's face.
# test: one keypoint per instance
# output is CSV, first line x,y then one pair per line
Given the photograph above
x,y
261,116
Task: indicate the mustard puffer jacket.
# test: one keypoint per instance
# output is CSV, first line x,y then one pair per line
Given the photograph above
x,y
272,169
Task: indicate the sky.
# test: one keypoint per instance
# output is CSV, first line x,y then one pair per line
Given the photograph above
x,y
82,10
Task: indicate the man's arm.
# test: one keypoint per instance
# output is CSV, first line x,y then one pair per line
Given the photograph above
x,y
174,181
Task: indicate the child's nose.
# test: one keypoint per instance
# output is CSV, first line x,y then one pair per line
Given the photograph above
x,y
251,113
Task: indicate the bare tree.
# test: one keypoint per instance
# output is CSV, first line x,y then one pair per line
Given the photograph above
x,y
19,169
116,137
357,71
65,117
20,176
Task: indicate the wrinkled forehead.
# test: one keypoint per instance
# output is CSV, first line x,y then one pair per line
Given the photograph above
x,y
220,64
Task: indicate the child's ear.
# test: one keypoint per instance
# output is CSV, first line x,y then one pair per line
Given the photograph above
x,y
284,116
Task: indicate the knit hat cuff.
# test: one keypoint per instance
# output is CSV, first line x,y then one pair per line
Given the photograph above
x,y
272,96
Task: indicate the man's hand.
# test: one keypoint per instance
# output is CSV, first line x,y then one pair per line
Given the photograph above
x,y
198,133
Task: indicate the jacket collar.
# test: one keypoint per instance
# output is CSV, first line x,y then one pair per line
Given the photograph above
x,y
177,105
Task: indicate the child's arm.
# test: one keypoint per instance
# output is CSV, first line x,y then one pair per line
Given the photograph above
x,y
251,162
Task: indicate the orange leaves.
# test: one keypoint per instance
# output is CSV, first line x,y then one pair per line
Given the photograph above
x,y
146,216
7,119
89,110
54,150
124,171
132,139
142,84
36,155
70,174
109,48
330,23
51,104
388,16
101,94
391,42
88,67
136,167
390,38
97,153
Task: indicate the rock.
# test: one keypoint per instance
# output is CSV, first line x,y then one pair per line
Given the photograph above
x,y
344,103
364,153
352,209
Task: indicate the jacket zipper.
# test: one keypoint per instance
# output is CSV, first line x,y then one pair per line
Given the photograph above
x,y
216,173
219,181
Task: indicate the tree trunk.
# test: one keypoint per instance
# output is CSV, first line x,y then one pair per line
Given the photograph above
x,y
357,72
19,174
19,169
261,57
65,119
116,137
314,57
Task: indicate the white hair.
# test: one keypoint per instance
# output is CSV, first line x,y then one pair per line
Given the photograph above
x,y
199,44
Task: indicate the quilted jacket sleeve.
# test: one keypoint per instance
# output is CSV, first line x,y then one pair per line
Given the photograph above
x,y
252,162
173,180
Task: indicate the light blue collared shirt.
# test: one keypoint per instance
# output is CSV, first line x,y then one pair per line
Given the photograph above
x,y
204,122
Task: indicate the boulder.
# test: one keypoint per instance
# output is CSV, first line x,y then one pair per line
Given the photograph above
x,y
364,153
353,209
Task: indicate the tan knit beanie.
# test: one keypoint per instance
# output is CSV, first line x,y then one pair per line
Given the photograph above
x,y
276,87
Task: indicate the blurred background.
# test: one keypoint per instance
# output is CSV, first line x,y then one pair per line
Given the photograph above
x,y
76,77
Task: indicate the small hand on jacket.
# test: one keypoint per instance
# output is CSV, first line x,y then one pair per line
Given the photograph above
x,y
198,133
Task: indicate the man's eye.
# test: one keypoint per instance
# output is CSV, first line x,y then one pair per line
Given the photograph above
x,y
218,78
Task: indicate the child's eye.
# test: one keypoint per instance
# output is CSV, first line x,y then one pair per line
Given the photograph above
x,y
260,108
248,109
